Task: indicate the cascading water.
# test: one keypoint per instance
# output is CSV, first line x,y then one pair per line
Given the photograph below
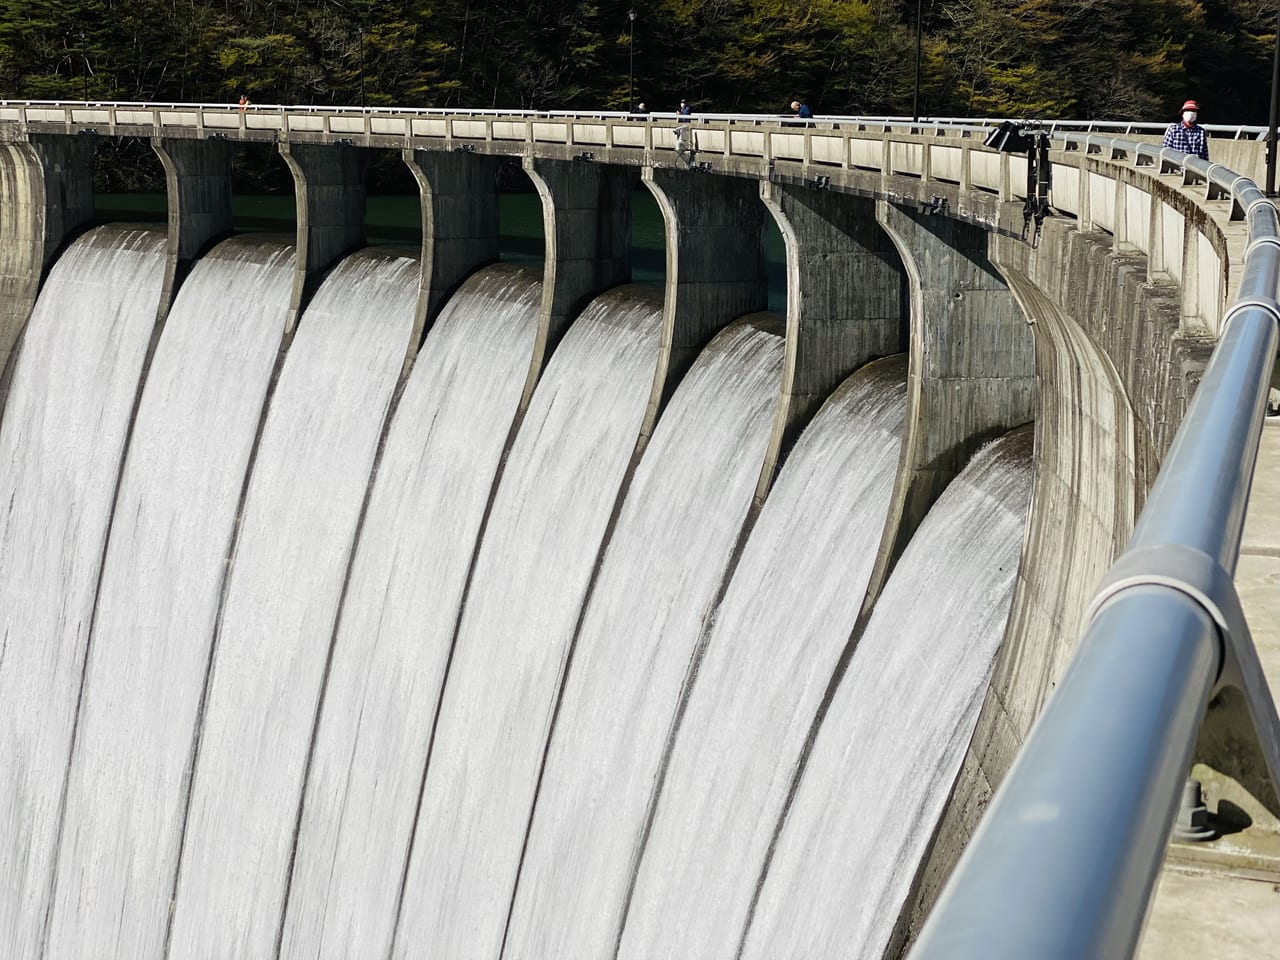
x,y
65,423
785,620
157,606
275,630
663,569
892,743
549,516
399,616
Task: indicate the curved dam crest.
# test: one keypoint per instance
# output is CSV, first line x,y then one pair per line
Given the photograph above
x,y
393,749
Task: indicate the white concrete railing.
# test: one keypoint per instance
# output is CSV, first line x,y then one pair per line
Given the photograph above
x,y
945,151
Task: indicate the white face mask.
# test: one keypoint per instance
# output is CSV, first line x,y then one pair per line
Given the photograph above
x,y
1188,116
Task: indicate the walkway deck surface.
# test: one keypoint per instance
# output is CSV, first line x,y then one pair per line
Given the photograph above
x,y
1232,911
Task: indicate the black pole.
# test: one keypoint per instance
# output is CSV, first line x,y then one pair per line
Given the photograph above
x,y
631,63
915,96
1275,112
84,70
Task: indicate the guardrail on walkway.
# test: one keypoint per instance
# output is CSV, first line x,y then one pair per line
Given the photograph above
x,y
1065,860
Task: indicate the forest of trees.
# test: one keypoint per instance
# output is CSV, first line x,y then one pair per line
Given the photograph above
x,y
1120,59
1107,59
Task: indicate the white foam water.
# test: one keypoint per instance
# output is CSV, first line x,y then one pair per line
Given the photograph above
x,y
663,569
892,743
61,443
274,634
785,620
549,516
161,582
399,616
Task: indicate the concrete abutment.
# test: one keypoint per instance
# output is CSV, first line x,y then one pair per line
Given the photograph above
x,y
46,190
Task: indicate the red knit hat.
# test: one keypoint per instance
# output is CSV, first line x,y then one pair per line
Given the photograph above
x,y
1191,105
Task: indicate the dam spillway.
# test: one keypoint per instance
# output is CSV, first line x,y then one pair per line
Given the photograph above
x,y
301,722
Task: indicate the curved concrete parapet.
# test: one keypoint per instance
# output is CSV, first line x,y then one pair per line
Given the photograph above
x,y
328,182
586,219
972,365
844,301
459,202
46,188
197,175
715,266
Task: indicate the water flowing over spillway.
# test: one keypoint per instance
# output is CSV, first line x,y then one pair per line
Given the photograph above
x,y
895,736
159,599
299,521
312,659
398,619
784,621
61,443
550,514
668,556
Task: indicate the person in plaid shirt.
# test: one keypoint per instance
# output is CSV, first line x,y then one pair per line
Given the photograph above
x,y
1188,136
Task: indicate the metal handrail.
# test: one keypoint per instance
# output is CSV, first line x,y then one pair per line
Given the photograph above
x,y
1065,860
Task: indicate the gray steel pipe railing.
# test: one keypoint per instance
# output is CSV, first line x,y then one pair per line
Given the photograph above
x,y
1065,860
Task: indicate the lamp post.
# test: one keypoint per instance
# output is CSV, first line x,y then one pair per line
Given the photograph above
x,y
1275,111
915,95
361,28
631,64
84,70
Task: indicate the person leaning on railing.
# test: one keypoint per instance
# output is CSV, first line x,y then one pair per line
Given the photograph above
x,y
1187,135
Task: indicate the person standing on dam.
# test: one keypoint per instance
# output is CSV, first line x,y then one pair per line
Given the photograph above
x,y
1187,135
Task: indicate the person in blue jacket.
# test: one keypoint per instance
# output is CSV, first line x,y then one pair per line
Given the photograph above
x,y
801,110
683,145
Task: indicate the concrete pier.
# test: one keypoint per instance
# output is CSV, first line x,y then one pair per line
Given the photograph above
x,y
586,219
197,177
459,200
972,365
714,229
328,183
845,302
46,188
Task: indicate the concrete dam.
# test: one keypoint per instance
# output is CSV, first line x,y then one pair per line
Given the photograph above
x,y
363,602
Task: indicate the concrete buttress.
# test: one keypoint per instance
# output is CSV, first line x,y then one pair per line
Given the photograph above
x,y
328,182
714,228
459,201
844,301
972,365
46,189
586,222
197,176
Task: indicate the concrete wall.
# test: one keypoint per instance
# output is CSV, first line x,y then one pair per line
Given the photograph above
x,y
586,222
328,183
459,200
845,304
714,230
972,365
46,193
197,177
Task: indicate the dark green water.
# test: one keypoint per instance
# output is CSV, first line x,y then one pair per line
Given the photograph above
x,y
397,221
